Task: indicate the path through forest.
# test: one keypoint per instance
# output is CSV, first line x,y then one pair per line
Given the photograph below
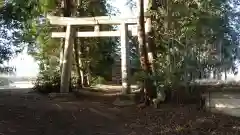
x,y
31,113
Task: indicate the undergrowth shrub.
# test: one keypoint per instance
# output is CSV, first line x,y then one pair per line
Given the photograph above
x,y
98,80
185,94
175,91
48,81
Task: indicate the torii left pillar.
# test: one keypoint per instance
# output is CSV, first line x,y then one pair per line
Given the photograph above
x,y
67,60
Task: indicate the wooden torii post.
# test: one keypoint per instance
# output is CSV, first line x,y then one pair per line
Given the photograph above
x,y
70,34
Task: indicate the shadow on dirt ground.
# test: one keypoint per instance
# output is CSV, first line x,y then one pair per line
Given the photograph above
x,y
34,114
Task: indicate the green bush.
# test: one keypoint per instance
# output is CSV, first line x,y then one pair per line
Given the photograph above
x,y
98,80
182,94
139,76
175,91
48,81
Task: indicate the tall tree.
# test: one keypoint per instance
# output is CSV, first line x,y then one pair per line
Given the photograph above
x,y
147,91
187,33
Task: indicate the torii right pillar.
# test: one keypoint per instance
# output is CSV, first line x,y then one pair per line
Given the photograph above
x,y
125,59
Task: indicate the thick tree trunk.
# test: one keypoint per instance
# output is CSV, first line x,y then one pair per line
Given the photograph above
x,y
149,37
147,97
150,46
159,95
67,8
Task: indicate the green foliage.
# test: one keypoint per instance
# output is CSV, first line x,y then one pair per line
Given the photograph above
x,y
14,15
101,56
48,5
98,80
194,38
48,81
140,76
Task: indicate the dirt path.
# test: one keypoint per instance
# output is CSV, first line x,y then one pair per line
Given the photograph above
x,y
33,114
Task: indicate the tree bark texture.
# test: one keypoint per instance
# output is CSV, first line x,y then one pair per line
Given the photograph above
x,y
150,44
147,90
76,46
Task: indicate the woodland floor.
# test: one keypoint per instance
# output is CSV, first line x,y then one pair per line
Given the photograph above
x,y
34,114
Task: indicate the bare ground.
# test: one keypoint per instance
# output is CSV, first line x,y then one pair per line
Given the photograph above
x,y
34,114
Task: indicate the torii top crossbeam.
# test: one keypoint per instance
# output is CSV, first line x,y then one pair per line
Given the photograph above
x,y
56,20
92,21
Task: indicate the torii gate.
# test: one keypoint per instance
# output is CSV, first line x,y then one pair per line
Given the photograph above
x,y
69,35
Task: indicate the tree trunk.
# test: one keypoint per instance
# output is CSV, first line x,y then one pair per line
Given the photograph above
x,y
61,52
62,29
225,72
219,49
82,53
88,72
67,8
147,97
76,45
214,73
150,45
78,69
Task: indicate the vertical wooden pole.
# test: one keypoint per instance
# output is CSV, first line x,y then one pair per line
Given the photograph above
x,y
61,39
67,61
61,53
81,56
125,59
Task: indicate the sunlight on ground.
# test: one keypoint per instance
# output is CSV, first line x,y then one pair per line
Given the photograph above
x,y
17,85
225,106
